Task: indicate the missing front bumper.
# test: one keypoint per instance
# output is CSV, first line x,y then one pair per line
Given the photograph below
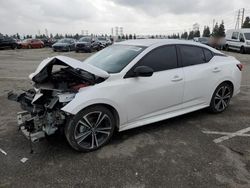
x,y
26,125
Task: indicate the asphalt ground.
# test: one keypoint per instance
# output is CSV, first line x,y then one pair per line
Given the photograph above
x,y
177,152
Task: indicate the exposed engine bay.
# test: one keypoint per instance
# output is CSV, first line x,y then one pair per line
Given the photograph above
x,y
55,84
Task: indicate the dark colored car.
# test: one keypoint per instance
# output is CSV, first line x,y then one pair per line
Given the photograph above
x,y
32,43
8,42
48,42
87,44
65,44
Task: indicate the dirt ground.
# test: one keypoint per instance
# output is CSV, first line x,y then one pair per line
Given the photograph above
x,y
180,152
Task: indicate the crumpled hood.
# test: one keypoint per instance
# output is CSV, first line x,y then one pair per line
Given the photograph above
x,y
74,63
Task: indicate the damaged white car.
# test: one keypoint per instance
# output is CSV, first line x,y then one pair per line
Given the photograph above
x,y
126,85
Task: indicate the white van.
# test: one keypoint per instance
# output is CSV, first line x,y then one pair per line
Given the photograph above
x,y
238,39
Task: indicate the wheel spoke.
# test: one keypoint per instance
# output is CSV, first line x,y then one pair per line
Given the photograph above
x,y
100,120
84,124
217,106
103,132
223,91
224,104
82,136
96,140
93,141
87,121
227,95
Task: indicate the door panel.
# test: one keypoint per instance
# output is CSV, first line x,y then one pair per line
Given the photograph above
x,y
151,96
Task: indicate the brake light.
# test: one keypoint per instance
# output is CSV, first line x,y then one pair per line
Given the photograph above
x,y
240,66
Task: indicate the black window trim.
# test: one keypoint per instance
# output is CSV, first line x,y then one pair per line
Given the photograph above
x,y
127,75
203,48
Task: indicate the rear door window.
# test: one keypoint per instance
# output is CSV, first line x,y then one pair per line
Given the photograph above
x,y
208,54
191,55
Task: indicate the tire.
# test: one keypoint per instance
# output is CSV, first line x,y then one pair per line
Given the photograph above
x,y
226,47
242,50
76,51
90,50
90,129
13,47
221,98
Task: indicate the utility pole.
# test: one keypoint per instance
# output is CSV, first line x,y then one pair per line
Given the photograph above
x,y
242,19
237,25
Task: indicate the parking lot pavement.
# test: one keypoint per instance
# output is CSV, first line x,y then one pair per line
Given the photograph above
x,y
180,152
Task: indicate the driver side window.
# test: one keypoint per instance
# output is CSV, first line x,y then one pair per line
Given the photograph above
x,y
160,59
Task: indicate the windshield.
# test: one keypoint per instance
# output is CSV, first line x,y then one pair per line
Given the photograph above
x,y
85,39
64,41
114,58
203,39
101,38
247,36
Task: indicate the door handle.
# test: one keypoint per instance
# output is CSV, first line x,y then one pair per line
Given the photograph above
x,y
216,69
176,78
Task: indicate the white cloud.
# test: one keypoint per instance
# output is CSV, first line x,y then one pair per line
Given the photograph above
x,y
98,16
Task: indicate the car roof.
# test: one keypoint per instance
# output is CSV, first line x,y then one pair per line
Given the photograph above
x,y
151,42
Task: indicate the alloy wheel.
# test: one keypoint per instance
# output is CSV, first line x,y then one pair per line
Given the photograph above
x,y
222,98
92,130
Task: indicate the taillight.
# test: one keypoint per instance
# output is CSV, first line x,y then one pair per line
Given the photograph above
x,y
240,66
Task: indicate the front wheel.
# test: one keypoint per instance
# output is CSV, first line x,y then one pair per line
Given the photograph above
x,y
90,129
242,50
221,98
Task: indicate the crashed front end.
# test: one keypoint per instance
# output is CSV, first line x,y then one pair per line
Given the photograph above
x,y
55,83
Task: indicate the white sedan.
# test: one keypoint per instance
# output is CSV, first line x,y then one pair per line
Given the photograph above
x,y
126,85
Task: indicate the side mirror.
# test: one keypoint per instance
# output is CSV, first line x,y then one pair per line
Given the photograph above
x,y
242,40
143,71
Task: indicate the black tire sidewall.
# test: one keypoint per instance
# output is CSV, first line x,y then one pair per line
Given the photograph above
x,y
72,123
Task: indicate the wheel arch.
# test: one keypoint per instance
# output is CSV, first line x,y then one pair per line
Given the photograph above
x,y
221,82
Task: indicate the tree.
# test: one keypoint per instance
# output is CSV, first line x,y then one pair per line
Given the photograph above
x,y
184,35
206,32
134,36
130,36
221,30
246,23
191,35
197,33
216,30
17,36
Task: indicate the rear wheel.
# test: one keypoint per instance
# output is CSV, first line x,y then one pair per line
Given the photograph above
x,y
90,129
242,50
221,98
226,47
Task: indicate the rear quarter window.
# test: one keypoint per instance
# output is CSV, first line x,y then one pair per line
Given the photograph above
x,y
208,54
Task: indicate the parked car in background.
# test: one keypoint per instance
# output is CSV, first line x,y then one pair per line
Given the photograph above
x,y
217,42
238,39
8,42
48,42
87,44
65,44
103,41
202,40
123,86
32,43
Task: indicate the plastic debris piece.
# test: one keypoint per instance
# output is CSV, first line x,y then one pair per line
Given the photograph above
x,y
23,160
3,152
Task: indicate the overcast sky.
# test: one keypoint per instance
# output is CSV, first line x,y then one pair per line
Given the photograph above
x,y
98,16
